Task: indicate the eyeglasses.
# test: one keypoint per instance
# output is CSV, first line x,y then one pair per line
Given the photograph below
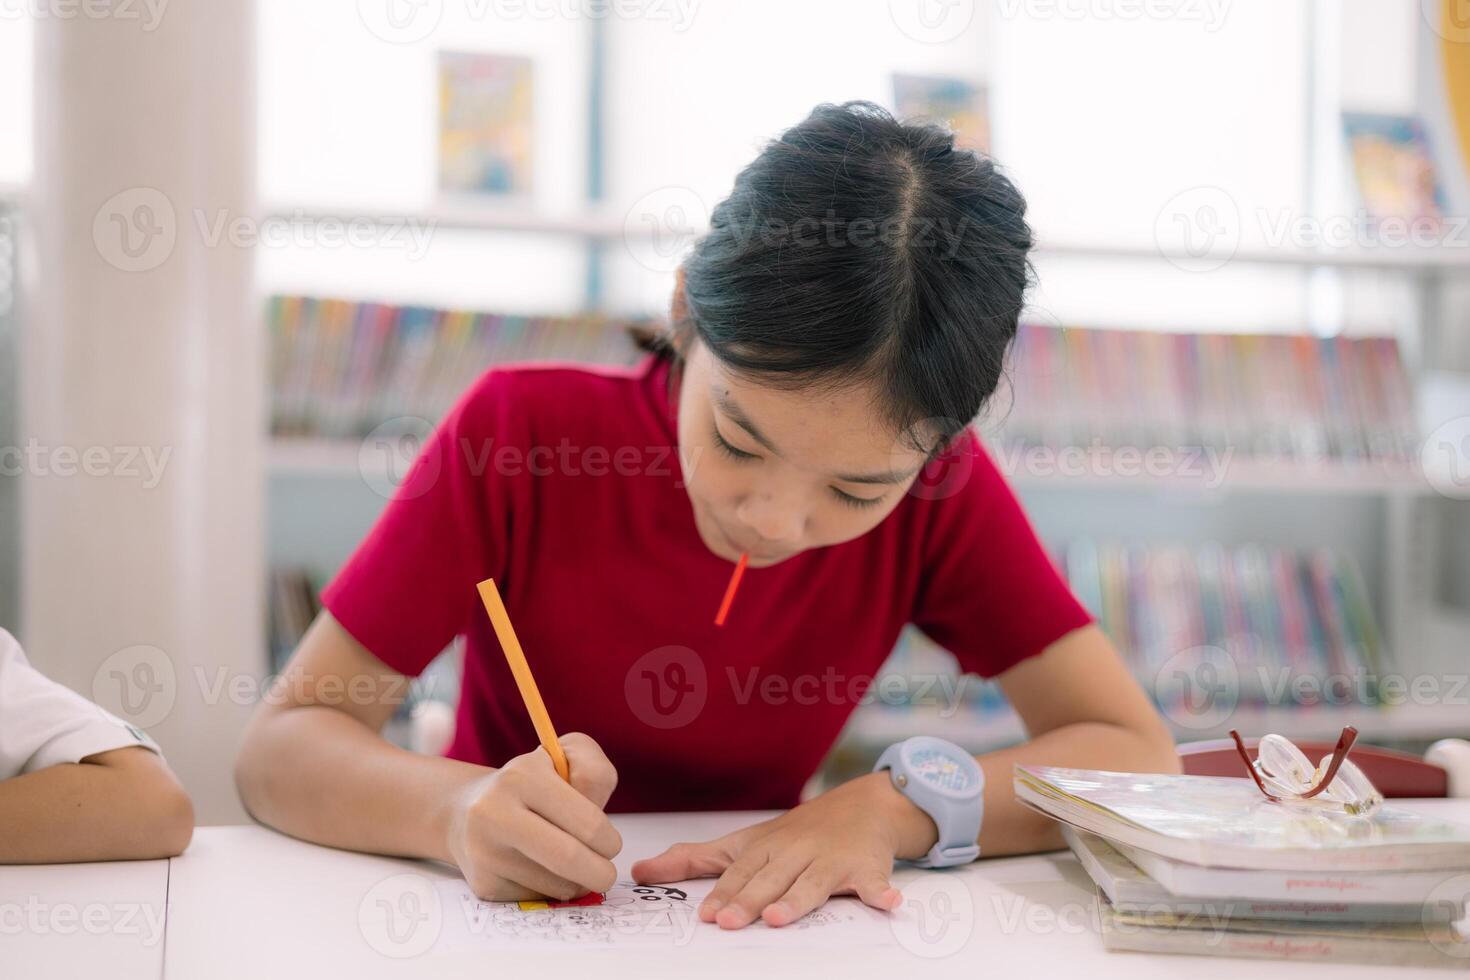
x,y
1284,775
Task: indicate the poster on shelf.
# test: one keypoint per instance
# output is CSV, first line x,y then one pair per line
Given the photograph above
x,y
1391,159
485,124
961,105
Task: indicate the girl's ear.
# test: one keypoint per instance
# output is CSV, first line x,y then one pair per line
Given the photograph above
x,y
678,316
678,308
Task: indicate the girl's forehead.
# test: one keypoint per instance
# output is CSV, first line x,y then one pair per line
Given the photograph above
x,y
843,428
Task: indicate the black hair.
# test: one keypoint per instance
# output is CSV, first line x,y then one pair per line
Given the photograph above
x,y
857,247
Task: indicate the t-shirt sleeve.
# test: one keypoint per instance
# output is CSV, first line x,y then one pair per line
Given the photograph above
x,y
990,593
409,587
44,724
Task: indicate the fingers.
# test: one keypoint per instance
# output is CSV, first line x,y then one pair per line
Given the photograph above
x,y
564,807
810,890
521,879
683,861
592,773
560,853
768,882
874,888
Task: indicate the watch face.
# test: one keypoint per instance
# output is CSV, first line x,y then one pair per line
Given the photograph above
x,y
941,770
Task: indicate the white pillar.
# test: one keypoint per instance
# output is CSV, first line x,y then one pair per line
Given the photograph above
x,y
142,586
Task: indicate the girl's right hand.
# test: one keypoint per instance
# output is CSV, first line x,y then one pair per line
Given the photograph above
x,y
520,832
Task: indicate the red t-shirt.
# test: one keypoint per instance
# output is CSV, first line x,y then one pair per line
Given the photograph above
x,y
562,483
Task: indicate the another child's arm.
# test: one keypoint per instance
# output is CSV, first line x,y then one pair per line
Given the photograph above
x,y
315,766
123,804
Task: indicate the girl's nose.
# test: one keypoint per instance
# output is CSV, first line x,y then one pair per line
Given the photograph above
x,y
778,521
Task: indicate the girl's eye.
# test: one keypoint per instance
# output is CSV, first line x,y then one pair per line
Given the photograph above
x,y
728,449
858,502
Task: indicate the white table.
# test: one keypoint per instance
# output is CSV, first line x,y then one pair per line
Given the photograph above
x,y
245,902
83,920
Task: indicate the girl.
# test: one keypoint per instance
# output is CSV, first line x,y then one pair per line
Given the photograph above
x,y
846,315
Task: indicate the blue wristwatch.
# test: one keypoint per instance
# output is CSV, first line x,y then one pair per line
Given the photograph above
x,y
947,783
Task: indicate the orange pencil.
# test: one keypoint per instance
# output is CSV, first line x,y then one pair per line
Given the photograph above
x,y
730,590
516,657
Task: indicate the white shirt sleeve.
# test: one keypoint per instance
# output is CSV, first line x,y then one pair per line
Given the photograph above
x,y
43,723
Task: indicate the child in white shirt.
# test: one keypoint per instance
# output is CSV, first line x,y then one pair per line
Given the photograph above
x,y
77,783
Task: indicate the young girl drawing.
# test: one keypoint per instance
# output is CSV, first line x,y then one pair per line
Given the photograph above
x,y
846,315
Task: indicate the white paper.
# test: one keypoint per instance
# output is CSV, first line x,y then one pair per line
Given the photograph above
x,y
642,915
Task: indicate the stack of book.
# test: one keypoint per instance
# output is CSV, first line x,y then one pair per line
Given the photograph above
x,y
341,368
1288,398
1207,865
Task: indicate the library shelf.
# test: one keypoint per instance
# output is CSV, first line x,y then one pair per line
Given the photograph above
x,y
980,730
329,458
610,224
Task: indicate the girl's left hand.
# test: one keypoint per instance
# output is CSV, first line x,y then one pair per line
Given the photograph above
x,y
841,843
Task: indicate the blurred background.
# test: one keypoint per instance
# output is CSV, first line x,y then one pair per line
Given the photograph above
x,y
249,251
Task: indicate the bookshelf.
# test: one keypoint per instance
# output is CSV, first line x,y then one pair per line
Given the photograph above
x,y
606,224
1390,514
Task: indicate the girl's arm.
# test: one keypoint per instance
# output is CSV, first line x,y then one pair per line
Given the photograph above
x,y
1082,709
315,765
123,804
